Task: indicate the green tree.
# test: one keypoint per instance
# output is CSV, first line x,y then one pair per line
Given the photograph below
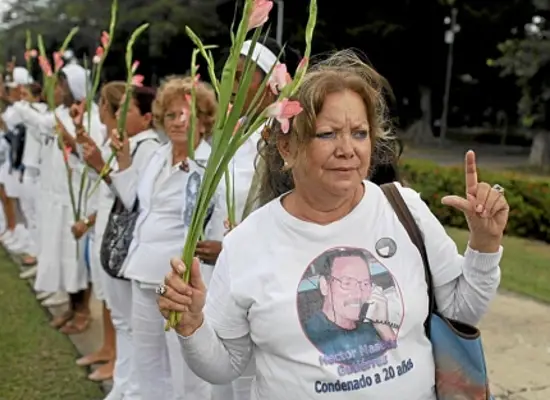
x,y
527,59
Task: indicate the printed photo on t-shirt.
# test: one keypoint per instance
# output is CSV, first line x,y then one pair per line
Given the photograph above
x,y
350,307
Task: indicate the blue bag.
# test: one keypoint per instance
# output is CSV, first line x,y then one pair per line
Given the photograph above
x,y
460,369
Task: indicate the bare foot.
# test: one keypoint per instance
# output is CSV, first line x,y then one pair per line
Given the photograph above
x,y
100,356
103,373
78,324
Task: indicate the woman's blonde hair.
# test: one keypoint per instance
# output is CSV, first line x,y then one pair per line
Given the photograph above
x,y
177,87
112,94
343,70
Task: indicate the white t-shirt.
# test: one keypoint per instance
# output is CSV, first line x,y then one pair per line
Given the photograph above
x,y
300,290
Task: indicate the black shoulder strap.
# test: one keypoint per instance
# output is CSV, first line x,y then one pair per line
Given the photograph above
x,y
140,142
118,204
407,220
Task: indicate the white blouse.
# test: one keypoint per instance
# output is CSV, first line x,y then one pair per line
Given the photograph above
x,y
167,196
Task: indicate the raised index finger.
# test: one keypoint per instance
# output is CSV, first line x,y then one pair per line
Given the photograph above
x,y
471,172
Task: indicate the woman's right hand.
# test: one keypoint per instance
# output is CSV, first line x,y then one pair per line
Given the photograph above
x,y
77,113
121,147
187,299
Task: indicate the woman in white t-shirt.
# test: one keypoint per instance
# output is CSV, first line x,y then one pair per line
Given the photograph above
x,y
322,284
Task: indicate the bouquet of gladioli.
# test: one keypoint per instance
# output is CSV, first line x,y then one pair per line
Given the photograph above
x,y
132,80
50,80
233,128
97,64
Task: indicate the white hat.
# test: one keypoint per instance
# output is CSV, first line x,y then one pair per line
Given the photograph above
x,y
77,79
20,76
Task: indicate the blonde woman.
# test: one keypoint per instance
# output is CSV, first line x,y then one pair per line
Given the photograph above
x,y
311,295
165,193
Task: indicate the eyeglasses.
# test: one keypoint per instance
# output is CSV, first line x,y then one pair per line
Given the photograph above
x,y
349,283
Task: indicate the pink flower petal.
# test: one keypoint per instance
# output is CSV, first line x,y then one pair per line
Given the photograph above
x,y
105,39
135,66
285,125
137,80
260,13
45,66
283,110
58,60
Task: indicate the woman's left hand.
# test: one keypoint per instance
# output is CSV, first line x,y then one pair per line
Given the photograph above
x,y
485,208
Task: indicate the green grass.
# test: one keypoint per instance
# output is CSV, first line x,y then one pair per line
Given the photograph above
x,y
36,362
525,265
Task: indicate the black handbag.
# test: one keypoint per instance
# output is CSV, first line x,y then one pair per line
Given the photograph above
x,y
16,140
119,234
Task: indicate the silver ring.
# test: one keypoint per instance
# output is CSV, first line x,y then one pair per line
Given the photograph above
x,y
498,188
161,290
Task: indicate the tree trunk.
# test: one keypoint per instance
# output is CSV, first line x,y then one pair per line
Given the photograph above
x,y
540,150
420,132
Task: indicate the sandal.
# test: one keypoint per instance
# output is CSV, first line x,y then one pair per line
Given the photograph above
x,y
61,320
78,324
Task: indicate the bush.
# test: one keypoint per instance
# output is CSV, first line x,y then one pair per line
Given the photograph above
x,y
529,197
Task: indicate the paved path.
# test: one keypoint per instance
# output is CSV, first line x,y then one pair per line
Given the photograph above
x,y
516,338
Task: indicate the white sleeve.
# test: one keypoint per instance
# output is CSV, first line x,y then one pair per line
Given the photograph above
x,y
125,183
464,285
221,349
215,360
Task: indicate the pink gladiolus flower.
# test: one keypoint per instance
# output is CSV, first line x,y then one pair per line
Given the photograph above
x,y
45,66
135,66
283,110
105,39
279,79
30,54
99,52
260,13
137,80
66,153
58,60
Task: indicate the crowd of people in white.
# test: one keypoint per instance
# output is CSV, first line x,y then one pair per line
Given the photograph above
x,y
136,222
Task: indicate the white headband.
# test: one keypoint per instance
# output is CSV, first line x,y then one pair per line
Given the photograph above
x,y
262,56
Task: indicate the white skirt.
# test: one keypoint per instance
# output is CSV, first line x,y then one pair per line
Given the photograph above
x,y
58,267
4,171
13,184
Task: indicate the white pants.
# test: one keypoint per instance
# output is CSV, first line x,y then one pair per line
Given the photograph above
x,y
29,206
157,363
118,295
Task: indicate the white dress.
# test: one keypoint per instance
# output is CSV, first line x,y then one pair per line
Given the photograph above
x,y
59,269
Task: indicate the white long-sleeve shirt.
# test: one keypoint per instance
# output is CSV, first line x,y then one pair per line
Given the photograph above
x,y
34,138
270,297
167,196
